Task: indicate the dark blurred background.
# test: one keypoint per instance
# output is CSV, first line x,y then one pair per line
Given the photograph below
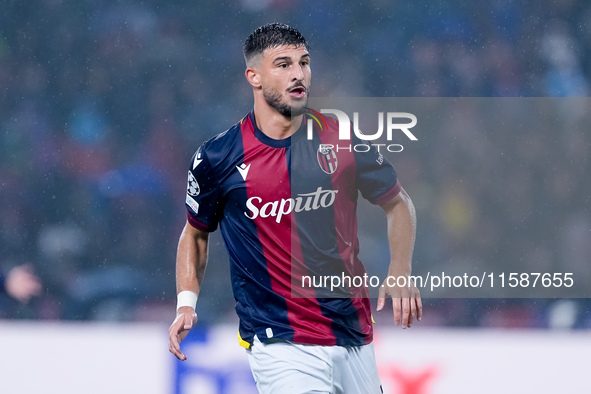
x,y
102,104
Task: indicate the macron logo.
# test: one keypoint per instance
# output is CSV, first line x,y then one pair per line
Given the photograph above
x,y
197,160
243,170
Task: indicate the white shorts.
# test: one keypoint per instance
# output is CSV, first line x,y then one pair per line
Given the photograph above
x,y
288,368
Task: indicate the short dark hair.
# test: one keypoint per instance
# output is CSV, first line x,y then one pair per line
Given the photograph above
x,y
272,35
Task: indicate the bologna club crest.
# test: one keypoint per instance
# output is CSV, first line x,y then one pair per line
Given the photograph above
x,y
327,159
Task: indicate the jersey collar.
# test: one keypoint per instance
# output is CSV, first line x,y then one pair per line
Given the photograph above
x,y
265,139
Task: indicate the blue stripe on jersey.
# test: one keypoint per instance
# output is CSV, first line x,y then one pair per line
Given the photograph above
x,y
318,233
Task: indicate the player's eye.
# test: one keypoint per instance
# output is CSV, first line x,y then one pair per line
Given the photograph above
x,y
282,65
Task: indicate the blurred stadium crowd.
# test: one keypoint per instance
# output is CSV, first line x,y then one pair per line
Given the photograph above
x,y
102,104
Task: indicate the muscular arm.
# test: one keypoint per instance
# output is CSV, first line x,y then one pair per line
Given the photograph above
x,y
402,222
191,261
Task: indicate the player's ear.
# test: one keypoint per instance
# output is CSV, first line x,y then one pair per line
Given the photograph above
x,y
253,77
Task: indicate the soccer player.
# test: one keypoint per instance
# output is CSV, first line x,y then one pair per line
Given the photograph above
x,y
286,206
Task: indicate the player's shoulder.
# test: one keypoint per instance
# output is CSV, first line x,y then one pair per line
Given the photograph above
x,y
327,125
220,144
222,140
332,122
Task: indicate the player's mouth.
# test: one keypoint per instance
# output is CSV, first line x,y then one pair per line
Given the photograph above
x,y
298,91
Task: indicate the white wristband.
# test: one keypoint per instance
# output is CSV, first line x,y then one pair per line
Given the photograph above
x,y
186,298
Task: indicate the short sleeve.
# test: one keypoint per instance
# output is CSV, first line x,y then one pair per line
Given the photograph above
x,y
202,198
376,177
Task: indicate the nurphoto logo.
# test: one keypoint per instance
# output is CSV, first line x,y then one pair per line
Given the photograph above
x,y
396,122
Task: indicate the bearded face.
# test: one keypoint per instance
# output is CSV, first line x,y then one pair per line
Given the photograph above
x,y
288,109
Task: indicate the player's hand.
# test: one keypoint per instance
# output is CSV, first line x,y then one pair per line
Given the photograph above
x,y
186,318
406,303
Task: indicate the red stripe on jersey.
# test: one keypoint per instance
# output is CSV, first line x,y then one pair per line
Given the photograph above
x,y
390,194
343,180
196,223
280,241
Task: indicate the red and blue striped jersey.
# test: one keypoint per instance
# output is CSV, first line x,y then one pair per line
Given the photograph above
x,y
286,210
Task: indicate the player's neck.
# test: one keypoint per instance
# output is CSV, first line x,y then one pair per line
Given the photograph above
x,y
273,124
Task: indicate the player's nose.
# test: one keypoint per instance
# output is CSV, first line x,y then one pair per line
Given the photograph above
x,y
297,74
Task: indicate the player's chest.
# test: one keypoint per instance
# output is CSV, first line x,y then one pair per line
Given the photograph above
x,y
274,173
